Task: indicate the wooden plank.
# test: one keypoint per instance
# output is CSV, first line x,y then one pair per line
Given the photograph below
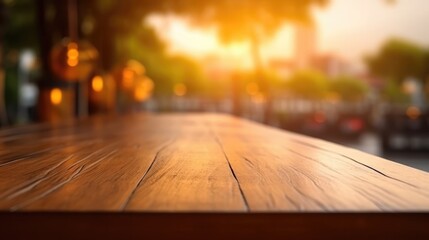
x,y
190,174
108,185
277,173
85,175
195,162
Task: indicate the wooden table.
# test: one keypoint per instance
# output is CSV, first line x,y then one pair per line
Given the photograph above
x,y
199,175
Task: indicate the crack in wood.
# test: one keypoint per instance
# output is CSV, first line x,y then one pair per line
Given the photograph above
x,y
243,196
246,204
127,201
356,161
380,190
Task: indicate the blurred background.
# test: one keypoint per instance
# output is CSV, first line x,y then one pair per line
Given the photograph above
x,y
351,72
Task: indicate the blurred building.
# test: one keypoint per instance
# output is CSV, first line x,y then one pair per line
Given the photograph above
x,y
331,65
305,45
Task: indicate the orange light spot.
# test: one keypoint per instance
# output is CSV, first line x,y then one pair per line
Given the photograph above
x,y
149,85
56,96
72,53
137,67
72,62
413,112
180,89
97,84
140,93
127,78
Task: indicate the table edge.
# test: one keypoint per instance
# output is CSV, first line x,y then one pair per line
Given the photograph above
x,y
185,225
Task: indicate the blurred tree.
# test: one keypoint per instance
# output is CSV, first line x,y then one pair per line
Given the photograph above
x,y
144,46
19,28
239,20
393,93
189,73
398,59
247,20
308,84
349,88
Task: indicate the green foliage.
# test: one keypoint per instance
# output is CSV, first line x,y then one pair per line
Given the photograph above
x,y
349,88
393,93
165,70
308,84
235,21
399,59
19,28
187,71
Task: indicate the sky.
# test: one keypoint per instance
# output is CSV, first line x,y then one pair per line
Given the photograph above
x,y
349,29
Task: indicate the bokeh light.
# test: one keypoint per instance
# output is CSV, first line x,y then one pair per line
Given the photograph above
x,y
97,84
56,96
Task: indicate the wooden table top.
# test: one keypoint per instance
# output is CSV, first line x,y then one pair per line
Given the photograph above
x,y
188,163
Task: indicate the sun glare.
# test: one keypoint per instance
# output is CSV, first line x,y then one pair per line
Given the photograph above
x,y
199,43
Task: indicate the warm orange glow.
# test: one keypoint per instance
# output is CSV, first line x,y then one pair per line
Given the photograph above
x,y
148,84
409,87
72,55
97,84
72,45
127,78
72,62
56,96
252,89
141,93
181,35
136,66
413,112
180,89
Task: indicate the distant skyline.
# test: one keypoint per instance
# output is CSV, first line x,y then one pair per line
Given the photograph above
x,y
349,29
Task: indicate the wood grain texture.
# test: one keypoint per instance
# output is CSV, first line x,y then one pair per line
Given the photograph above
x,y
190,174
194,163
283,171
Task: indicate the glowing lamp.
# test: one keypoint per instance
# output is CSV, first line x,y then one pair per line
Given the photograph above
x,y
128,74
143,89
73,61
56,96
56,103
97,84
102,94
